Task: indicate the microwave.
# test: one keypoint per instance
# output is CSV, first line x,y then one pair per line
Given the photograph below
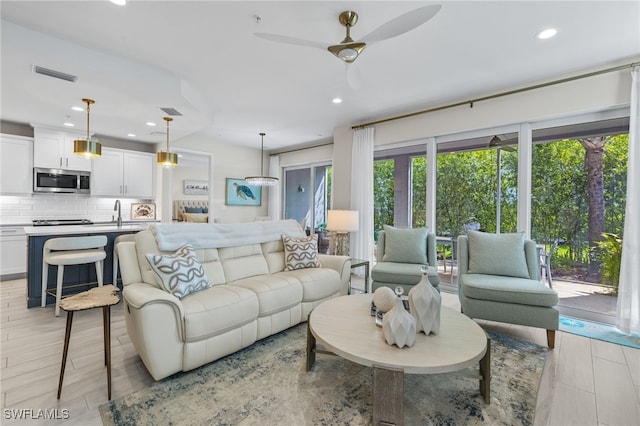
x,y
61,181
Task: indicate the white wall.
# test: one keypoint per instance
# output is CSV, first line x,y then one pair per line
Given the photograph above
x,y
590,94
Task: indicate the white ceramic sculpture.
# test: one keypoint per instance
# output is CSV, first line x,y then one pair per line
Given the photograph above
x,y
425,303
399,326
384,299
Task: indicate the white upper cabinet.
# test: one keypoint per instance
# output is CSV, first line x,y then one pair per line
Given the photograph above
x,y
53,149
16,164
121,173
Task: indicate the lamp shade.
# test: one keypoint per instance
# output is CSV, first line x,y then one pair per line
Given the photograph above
x,y
342,220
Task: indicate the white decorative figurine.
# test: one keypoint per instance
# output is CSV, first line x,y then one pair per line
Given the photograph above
x,y
399,326
425,303
384,299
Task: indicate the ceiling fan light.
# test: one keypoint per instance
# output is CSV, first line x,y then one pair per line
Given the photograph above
x,y
347,52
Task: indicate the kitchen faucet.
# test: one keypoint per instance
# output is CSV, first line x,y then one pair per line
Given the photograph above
x,y
117,207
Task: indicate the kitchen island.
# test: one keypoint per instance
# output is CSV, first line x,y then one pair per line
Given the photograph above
x,y
73,274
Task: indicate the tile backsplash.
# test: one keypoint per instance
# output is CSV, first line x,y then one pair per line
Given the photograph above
x,y
22,210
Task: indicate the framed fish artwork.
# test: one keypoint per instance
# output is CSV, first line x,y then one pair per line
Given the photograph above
x,y
238,193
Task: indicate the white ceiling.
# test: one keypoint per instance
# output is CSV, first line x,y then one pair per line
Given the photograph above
x,y
203,59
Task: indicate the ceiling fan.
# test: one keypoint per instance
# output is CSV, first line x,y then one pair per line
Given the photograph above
x,y
497,142
349,50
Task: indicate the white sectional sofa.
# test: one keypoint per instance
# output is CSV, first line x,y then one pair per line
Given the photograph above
x,y
252,295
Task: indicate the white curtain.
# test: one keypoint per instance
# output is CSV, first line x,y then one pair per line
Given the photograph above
x,y
628,311
362,193
275,208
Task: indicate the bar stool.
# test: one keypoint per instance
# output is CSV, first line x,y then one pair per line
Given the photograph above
x,y
119,239
71,251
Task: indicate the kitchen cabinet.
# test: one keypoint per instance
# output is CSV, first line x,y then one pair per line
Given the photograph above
x,y
16,164
122,173
53,149
13,250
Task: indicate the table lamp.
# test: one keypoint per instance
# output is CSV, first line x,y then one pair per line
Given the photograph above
x,y
342,222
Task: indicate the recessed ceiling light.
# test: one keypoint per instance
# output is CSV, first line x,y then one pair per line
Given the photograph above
x,y
546,33
77,108
151,123
131,135
119,2
336,100
69,124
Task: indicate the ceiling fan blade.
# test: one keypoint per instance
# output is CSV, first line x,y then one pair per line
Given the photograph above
x,y
402,24
353,76
290,40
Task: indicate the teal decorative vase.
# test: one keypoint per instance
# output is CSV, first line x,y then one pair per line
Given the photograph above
x,y
399,326
425,303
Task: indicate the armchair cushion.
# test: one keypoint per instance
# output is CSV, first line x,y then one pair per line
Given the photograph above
x,y
405,245
497,254
508,290
400,273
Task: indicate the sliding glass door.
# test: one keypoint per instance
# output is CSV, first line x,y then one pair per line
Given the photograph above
x,y
307,197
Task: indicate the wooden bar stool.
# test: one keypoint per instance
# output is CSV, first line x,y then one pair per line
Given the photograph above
x,y
71,251
98,297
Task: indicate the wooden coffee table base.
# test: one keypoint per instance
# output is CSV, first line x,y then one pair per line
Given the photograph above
x,y
388,384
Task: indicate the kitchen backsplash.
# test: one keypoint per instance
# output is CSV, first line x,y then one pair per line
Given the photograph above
x,y
22,210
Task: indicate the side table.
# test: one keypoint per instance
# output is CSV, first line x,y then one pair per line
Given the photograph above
x,y
357,263
98,297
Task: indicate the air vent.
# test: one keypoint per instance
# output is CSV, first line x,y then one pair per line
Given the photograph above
x,y
157,133
171,111
55,74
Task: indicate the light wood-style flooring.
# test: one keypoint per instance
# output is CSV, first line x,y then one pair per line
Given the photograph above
x,y
585,382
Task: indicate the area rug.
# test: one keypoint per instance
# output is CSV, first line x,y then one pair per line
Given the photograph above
x,y
266,384
598,331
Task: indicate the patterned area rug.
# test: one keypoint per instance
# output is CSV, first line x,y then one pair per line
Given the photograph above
x,y
266,384
599,331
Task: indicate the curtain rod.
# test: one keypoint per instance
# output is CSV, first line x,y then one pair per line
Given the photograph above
x,y
497,95
300,149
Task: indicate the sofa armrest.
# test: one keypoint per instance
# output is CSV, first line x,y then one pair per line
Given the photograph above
x,y
155,324
341,264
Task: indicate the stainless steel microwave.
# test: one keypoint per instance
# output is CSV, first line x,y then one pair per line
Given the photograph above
x,y
61,181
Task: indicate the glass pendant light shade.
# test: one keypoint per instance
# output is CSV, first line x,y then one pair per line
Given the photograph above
x,y
261,180
87,147
167,158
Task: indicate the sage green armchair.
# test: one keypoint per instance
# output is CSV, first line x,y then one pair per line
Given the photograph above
x,y
499,280
400,255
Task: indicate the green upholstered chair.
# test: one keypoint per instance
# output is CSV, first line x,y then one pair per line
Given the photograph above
x,y
499,280
400,255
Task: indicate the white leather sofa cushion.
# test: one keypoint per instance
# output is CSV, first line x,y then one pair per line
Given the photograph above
x,y
317,283
243,261
275,293
210,261
274,253
217,310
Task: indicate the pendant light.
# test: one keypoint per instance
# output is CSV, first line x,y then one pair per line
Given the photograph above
x,y
261,180
167,158
87,147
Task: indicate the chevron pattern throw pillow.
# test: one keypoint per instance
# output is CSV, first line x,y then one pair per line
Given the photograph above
x,y
300,253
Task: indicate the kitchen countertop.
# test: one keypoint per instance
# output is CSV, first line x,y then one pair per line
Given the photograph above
x,y
96,228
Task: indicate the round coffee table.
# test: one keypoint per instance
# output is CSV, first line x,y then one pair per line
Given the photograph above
x,y
343,326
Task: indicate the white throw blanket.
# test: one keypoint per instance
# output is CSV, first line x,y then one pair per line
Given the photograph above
x,y
216,235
